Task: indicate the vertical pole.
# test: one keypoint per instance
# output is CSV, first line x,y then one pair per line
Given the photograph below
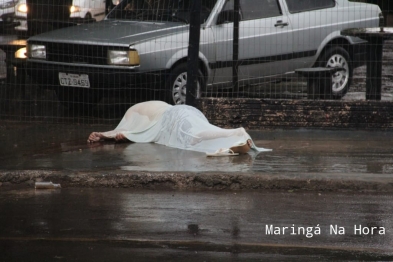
x,y
235,55
374,68
193,52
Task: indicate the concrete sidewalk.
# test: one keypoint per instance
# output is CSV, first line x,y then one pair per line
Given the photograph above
x,y
301,159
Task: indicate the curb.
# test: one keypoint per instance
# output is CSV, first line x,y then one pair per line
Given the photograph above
x,y
206,180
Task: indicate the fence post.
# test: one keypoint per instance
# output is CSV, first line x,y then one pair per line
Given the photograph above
x,y
193,52
235,55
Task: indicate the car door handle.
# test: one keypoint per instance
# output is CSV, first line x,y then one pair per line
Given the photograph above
x,y
280,23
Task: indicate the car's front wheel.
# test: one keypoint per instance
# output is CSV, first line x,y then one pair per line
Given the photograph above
x,y
176,85
88,17
337,56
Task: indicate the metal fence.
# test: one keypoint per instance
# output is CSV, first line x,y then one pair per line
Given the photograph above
x,y
92,69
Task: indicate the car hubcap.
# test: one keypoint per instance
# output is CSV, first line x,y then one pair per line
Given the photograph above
x,y
340,79
179,89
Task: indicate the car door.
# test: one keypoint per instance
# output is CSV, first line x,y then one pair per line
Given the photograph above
x,y
312,21
265,42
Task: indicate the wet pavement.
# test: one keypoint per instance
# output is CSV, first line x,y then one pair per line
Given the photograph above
x,y
149,202
301,159
107,224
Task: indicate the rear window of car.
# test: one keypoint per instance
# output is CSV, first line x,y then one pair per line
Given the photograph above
x,y
158,10
296,6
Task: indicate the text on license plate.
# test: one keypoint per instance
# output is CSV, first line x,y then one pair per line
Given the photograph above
x,y
74,80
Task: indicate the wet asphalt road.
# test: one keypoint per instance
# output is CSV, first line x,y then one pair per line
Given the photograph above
x,y
74,224
40,146
301,159
88,220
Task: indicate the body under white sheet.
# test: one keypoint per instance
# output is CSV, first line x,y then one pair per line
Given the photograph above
x,y
179,126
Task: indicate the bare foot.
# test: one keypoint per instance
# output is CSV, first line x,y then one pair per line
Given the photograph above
x,y
95,137
243,149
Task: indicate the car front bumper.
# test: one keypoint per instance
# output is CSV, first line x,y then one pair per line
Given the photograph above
x,y
100,78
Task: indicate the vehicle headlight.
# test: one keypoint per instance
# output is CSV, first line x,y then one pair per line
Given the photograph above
x,y
7,5
129,57
22,8
36,51
75,9
21,53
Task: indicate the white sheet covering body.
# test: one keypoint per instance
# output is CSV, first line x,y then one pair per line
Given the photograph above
x,y
179,126
140,122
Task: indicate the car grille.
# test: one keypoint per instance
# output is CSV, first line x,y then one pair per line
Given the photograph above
x,y
75,53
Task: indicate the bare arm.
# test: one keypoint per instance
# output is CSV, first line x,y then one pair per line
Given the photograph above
x,y
97,136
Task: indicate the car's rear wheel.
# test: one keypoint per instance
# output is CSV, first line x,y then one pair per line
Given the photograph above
x,y
176,85
337,56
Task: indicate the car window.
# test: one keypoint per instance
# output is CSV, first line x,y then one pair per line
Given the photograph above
x,y
296,6
252,9
159,10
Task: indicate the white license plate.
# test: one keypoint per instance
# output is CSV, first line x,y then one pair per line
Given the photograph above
x,y
74,80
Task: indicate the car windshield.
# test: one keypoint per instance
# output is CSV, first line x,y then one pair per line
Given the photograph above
x,y
159,10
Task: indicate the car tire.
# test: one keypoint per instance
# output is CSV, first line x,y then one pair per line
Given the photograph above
x,y
337,56
88,17
176,85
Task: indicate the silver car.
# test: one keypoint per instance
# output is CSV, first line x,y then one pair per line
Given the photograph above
x,y
144,44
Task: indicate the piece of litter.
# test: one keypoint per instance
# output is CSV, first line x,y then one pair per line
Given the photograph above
x,y
46,185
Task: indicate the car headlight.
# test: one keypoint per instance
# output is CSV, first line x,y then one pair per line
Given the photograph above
x,y
22,8
36,51
21,53
7,5
130,57
75,9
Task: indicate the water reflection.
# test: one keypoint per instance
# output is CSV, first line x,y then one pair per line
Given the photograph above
x,y
153,157
288,156
178,214
225,217
323,162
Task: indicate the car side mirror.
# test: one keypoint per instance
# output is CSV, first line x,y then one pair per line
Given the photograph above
x,y
228,16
